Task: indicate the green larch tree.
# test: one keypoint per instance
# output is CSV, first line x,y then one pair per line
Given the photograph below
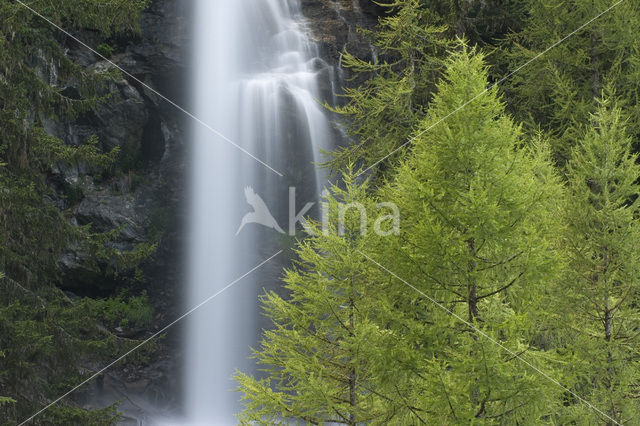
x,y
601,291
560,88
477,206
399,80
329,358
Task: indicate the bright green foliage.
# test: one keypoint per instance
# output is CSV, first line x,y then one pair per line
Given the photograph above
x,y
558,90
410,42
382,112
477,227
4,400
600,292
523,285
121,311
323,357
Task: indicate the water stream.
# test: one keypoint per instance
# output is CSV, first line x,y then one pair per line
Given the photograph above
x,y
257,79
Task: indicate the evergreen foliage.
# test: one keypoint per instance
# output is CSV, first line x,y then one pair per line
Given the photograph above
x,y
45,337
524,306
477,237
600,289
381,113
520,240
558,91
322,357
34,80
410,45
482,22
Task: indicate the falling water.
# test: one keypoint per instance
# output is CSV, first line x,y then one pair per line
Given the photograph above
x,y
257,80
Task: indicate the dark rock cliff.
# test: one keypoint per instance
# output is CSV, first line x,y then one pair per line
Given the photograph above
x,y
145,198
334,24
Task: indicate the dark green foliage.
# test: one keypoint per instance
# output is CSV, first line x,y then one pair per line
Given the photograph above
x,y
381,114
47,337
482,22
559,90
44,336
524,283
3,399
105,50
120,311
33,73
114,261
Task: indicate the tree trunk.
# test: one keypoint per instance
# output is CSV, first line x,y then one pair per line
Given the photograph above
x,y
596,89
352,373
472,298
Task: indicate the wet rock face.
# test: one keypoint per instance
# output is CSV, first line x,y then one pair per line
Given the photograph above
x,y
371,8
334,26
145,196
334,23
149,133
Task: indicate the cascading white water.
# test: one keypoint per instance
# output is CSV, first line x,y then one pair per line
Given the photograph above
x,y
256,81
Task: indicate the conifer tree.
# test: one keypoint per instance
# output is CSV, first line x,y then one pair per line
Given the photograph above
x,y
397,81
560,87
381,113
600,293
477,225
327,359
39,80
44,335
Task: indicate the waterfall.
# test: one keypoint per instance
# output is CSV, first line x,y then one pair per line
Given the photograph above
x,y
257,79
